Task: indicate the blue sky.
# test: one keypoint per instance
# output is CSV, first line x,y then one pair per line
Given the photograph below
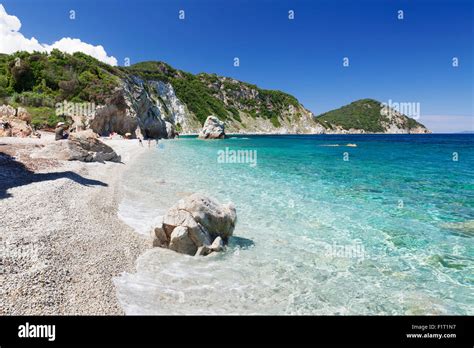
x,y
407,60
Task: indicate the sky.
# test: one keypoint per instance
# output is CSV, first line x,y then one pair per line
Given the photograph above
x,y
407,60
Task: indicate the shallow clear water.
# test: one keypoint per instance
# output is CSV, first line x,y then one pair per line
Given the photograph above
x,y
382,228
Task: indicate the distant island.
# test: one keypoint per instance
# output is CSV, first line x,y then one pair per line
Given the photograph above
x,y
154,100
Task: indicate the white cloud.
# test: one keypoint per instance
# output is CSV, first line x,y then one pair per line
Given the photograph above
x,y
69,45
11,40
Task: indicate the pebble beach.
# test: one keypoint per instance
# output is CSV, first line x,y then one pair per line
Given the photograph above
x,y
61,239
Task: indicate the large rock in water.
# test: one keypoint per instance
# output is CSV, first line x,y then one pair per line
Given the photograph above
x,y
196,225
81,146
213,129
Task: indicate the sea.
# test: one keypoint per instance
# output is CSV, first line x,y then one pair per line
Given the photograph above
x,y
326,225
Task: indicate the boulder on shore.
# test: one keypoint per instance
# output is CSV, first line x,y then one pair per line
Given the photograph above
x,y
23,115
14,122
213,129
196,225
81,146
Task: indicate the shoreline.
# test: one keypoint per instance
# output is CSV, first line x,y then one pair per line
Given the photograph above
x,y
292,134
62,240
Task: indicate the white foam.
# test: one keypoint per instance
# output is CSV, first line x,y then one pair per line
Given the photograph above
x,y
137,216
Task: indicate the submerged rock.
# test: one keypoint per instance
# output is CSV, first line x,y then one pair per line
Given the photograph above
x,y
196,225
213,129
82,146
463,227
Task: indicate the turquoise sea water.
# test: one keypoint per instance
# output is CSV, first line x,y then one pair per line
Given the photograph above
x,y
382,228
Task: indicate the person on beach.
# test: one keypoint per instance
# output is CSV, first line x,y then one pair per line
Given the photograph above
x,y
140,141
157,144
59,132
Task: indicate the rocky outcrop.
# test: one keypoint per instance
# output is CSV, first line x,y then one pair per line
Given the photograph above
x,y
14,122
170,130
151,108
419,130
23,115
148,108
115,117
82,146
196,225
213,129
7,111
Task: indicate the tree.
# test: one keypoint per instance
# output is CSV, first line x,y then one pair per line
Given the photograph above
x,y
22,76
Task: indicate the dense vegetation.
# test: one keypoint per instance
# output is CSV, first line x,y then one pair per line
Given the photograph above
x,y
151,70
38,81
362,114
199,99
257,102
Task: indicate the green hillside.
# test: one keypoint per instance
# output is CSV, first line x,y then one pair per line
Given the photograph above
x,y
362,114
38,81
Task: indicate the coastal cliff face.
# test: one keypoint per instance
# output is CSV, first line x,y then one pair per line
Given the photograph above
x,y
152,99
254,110
189,99
148,109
